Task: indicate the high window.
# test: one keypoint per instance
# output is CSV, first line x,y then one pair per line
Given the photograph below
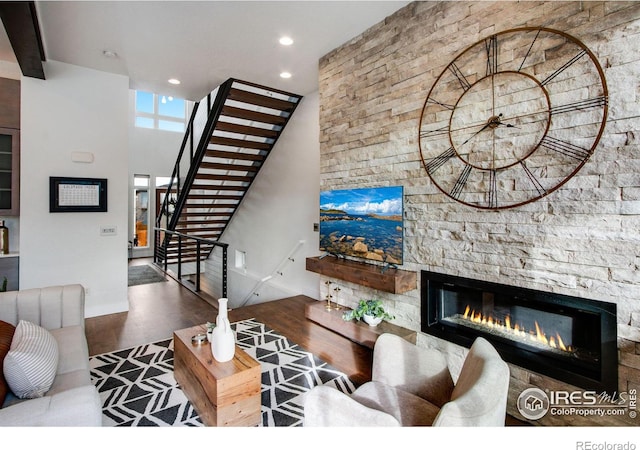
x,y
161,112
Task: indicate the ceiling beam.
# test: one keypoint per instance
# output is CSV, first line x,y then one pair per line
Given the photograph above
x,y
21,23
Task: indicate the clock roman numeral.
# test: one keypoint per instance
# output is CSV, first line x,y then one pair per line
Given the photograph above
x,y
536,183
461,182
460,76
529,50
436,132
444,105
565,148
491,45
563,68
440,160
581,104
493,189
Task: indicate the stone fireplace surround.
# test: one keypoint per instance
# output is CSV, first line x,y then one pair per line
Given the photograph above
x,y
580,241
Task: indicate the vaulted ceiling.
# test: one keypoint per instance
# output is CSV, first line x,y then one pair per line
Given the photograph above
x,y
202,43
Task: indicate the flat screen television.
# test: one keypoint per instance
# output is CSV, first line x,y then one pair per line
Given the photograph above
x,y
364,223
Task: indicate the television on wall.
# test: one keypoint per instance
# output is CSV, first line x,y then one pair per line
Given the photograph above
x,y
363,223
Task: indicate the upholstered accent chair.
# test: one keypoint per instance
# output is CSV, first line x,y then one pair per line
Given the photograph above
x,y
412,386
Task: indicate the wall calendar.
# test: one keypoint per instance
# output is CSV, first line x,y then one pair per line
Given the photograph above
x,y
68,194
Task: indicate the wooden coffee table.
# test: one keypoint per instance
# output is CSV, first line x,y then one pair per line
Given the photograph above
x,y
223,394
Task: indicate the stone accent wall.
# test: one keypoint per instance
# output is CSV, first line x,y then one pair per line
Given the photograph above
x,y
582,240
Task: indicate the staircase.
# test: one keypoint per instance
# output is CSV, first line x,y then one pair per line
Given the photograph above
x,y
243,122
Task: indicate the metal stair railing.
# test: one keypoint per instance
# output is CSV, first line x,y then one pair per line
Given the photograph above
x,y
181,237
175,176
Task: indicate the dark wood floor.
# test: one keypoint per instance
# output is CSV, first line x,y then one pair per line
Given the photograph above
x,y
157,309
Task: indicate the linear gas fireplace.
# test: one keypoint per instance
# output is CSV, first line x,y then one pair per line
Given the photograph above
x,y
568,338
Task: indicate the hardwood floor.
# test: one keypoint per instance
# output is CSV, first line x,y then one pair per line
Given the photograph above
x,y
157,309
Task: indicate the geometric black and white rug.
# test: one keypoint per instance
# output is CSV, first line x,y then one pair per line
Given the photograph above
x,y
137,387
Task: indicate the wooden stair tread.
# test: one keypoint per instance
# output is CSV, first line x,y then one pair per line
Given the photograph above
x,y
219,187
240,113
223,177
254,98
247,130
241,143
213,196
236,155
194,222
230,167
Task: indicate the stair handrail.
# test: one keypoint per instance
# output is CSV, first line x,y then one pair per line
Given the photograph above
x,y
277,271
213,115
175,175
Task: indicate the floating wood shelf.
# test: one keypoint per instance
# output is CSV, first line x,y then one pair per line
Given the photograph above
x,y
377,277
356,331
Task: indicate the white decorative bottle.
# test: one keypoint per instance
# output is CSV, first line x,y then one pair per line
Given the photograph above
x,y
223,341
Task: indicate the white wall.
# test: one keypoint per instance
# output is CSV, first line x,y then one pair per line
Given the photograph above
x,y
74,109
10,70
279,211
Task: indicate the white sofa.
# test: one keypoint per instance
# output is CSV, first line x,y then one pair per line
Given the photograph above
x,y
72,399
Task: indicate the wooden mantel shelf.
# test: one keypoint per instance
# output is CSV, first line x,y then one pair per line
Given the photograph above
x,y
390,279
357,331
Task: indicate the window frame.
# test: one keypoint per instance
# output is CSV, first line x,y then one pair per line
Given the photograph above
x,y
158,118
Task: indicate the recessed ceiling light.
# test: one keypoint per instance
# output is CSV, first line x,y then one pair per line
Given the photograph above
x,y
173,81
286,40
285,75
109,54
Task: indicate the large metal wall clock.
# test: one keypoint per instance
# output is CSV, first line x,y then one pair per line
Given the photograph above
x,y
513,117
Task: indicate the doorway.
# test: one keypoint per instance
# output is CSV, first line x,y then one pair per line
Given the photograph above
x,y
141,211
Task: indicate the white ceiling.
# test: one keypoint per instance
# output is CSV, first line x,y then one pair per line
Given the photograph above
x,y
203,43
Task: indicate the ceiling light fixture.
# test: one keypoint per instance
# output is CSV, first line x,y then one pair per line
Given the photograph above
x,y
285,75
173,81
109,54
285,40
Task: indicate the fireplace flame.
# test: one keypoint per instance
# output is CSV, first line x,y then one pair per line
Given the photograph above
x,y
536,333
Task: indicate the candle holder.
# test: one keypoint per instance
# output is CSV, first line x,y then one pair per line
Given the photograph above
x,y
328,307
338,307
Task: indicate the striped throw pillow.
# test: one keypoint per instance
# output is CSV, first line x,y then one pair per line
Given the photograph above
x,y
6,336
31,364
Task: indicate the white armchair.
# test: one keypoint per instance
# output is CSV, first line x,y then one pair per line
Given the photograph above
x,y
412,386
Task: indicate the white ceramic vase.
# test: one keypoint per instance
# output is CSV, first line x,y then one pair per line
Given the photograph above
x,y
371,320
223,341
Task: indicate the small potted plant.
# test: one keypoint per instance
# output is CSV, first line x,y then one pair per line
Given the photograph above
x,y
210,328
371,311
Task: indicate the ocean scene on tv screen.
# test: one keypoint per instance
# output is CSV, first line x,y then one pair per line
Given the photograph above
x,y
363,223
